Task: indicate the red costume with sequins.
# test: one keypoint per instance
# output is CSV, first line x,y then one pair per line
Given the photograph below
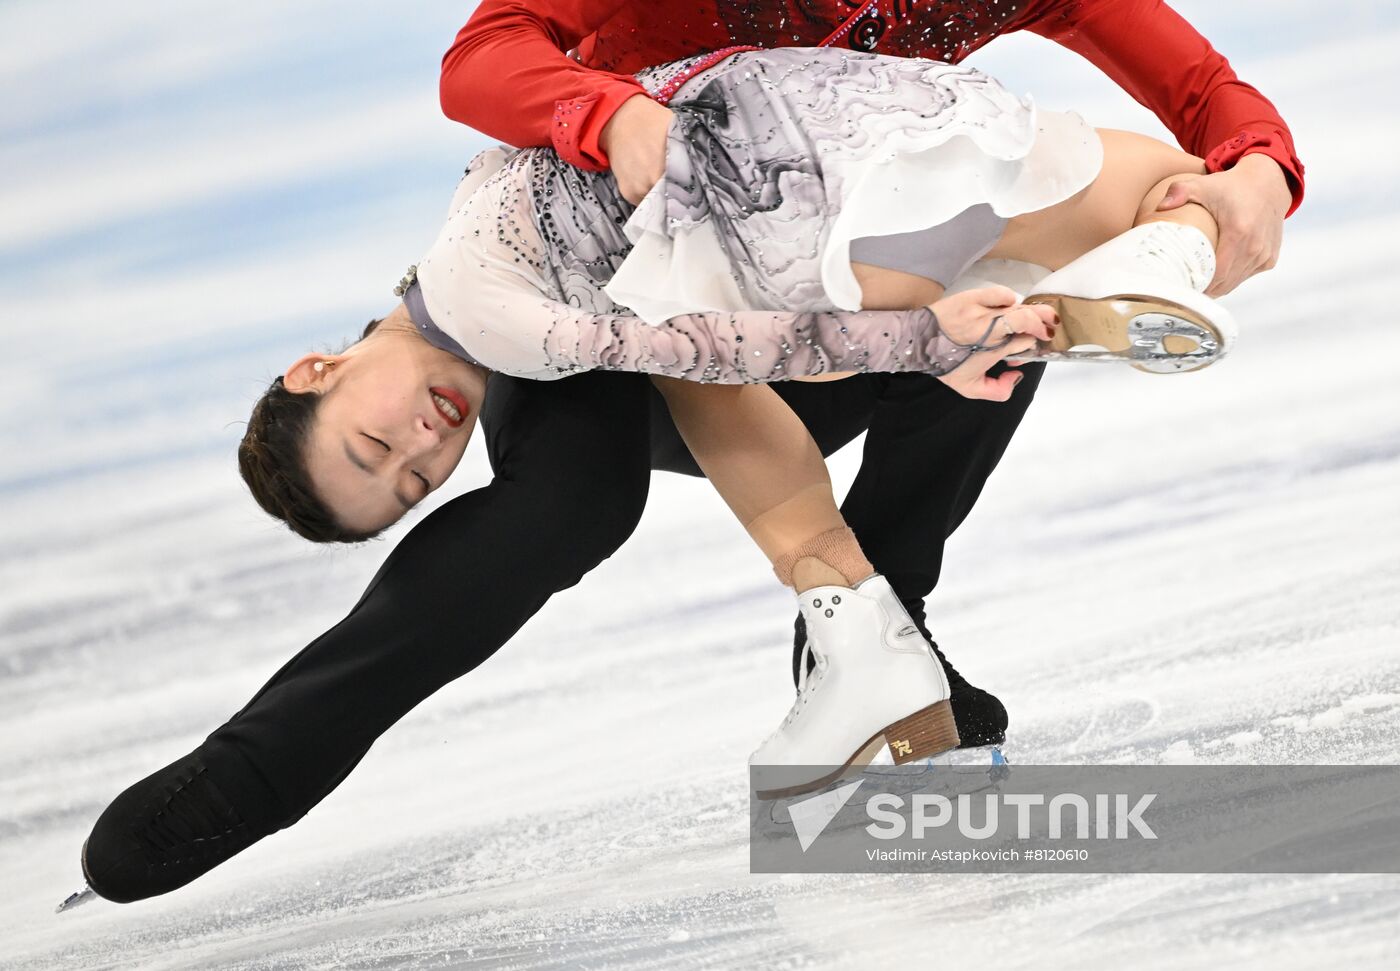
x,y
508,74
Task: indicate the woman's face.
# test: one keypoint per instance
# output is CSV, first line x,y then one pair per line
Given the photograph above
x,y
386,433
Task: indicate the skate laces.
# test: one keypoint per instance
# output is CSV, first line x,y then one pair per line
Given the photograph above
x,y
804,668
192,814
1179,252
806,682
950,672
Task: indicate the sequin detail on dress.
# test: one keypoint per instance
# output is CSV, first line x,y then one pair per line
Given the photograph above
x,y
732,253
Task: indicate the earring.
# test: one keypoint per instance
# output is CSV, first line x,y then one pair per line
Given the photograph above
x,y
320,366
408,280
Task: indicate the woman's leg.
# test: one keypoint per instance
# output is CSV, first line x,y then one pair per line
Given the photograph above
x,y
1137,171
764,463
893,695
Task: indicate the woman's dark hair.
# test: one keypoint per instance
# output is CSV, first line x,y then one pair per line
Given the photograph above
x,y
272,461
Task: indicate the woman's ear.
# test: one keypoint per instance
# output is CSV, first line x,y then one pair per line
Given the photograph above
x,y
311,372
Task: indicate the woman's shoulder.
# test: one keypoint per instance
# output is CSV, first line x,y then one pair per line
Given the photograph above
x,y
488,219
481,280
486,167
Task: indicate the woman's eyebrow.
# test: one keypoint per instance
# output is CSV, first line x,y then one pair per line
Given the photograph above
x,y
355,459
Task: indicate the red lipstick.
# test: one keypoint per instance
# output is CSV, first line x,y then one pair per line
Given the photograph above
x,y
457,400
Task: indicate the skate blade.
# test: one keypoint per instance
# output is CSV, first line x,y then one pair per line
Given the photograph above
x,y
1151,334
979,757
906,779
76,899
928,732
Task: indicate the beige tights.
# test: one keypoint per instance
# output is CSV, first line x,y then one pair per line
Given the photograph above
x,y
763,462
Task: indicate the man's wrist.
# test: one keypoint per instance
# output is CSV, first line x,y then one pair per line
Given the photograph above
x,y
1265,170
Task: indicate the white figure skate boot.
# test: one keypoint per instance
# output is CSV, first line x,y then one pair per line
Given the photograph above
x,y
877,693
1137,298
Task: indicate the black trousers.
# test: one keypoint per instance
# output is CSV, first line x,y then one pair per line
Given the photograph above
x,y
572,462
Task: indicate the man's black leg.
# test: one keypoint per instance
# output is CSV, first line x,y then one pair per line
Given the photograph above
x,y
571,464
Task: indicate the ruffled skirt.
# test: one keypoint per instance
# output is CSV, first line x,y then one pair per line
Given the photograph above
x,y
777,159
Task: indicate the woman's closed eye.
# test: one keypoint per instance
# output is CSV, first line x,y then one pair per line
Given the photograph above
x,y
427,486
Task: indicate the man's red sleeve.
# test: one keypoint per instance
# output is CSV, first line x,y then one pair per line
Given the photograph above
x,y
507,76
1163,62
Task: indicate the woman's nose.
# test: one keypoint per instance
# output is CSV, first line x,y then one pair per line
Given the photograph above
x,y
425,434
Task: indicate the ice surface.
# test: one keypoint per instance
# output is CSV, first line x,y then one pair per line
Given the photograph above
x,y
1190,568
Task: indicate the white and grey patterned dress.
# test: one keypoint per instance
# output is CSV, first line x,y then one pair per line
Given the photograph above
x,y
735,268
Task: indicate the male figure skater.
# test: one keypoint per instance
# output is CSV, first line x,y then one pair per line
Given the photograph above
x,y
572,458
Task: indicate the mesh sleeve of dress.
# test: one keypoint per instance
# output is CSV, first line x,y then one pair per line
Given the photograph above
x,y
484,282
531,335
747,347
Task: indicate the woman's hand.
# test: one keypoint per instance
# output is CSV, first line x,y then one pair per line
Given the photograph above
x,y
634,140
966,318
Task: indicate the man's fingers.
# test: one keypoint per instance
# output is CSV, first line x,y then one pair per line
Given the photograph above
x,y
1240,257
1225,281
1174,198
1230,260
1179,194
1237,262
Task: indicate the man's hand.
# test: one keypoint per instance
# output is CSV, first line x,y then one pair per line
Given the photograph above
x,y
1248,202
634,140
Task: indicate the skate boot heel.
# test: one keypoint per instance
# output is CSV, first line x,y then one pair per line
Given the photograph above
x,y
924,734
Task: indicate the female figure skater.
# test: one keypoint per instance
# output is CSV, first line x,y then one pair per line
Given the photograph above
x,y
816,205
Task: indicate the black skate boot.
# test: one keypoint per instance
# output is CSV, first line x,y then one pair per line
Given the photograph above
x,y
163,832
979,715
